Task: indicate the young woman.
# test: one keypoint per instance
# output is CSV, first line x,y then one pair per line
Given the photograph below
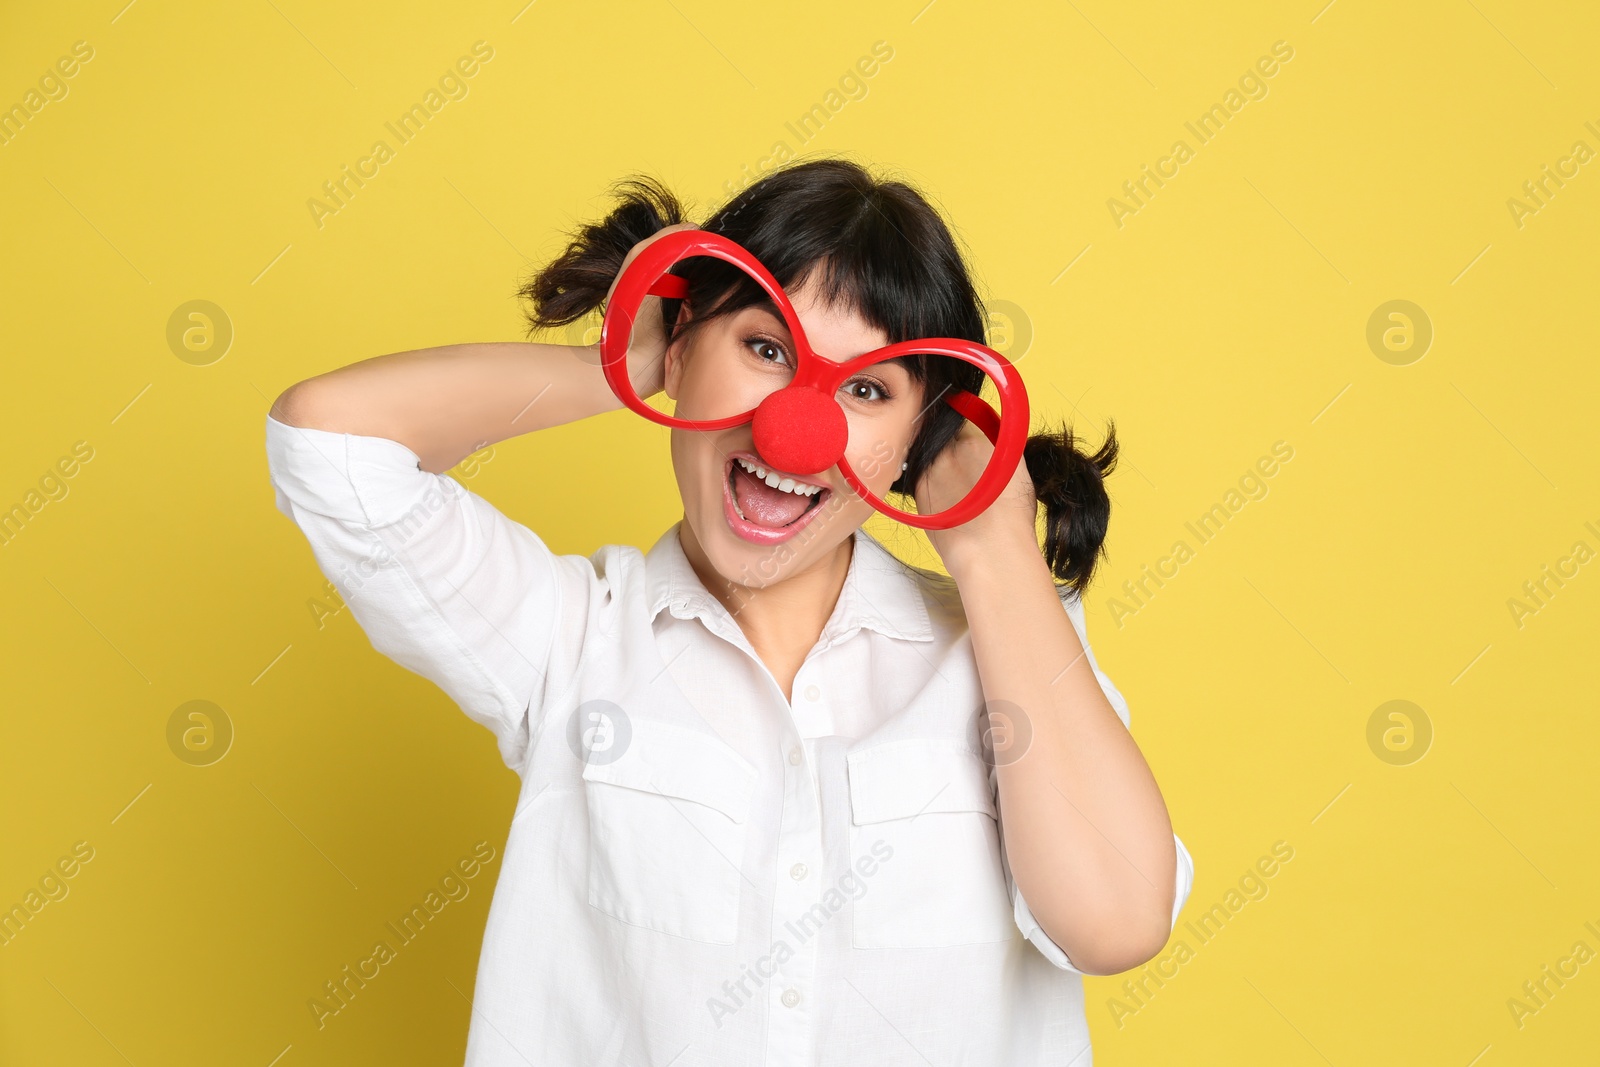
x,y
785,799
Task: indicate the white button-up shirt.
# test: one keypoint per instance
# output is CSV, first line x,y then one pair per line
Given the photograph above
x,y
699,872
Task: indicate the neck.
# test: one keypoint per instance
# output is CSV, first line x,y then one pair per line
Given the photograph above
x,y
782,619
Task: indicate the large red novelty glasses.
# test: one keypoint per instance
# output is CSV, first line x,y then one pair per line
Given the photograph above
x,y
798,422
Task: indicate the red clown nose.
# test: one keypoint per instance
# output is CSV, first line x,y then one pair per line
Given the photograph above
x,y
800,431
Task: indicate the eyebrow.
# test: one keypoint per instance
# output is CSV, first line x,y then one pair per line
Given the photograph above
x,y
770,306
766,304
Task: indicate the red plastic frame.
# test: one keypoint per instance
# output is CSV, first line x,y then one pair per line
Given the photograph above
x,y
647,276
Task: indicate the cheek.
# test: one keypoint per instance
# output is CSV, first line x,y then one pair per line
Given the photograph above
x,y
877,449
692,466
687,467
710,387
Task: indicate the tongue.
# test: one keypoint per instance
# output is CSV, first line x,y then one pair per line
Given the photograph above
x,y
762,504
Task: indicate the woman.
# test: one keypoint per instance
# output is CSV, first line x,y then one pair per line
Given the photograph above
x,y
784,798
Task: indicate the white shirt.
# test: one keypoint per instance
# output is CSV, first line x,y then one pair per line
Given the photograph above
x,y
727,879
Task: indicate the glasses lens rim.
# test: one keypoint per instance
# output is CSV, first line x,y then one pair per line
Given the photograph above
x,y
1009,439
644,273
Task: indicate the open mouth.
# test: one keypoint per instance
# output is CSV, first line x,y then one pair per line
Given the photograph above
x,y
766,505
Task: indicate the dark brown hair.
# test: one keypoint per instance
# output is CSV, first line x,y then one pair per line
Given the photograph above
x,y
884,252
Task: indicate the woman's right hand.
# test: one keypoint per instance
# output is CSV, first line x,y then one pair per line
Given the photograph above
x,y
648,346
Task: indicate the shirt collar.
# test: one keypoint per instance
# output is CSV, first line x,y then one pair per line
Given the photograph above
x,y
880,593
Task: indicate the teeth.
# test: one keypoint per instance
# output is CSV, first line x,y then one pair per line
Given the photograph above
x,y
779,481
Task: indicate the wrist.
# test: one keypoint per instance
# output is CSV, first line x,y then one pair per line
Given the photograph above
x,y
593,387
1004,554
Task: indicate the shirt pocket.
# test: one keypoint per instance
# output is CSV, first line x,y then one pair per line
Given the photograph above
x,y
923,811
667,826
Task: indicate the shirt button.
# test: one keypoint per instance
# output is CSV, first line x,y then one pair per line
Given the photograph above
x,y
812,692
798,871
795,756
791,997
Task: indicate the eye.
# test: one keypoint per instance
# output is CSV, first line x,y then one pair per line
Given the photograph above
x,y
767,350
864,388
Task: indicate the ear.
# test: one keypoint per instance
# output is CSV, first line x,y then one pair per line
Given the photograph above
x,y
673,366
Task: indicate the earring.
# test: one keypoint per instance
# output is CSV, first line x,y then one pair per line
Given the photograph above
x,y
906,464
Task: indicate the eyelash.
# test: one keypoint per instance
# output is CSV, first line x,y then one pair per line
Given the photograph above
x,y
756,340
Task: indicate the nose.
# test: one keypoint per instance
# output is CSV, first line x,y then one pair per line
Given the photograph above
x,y
800,429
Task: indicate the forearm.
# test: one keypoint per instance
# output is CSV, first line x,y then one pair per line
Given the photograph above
x,y
1087,834
447,402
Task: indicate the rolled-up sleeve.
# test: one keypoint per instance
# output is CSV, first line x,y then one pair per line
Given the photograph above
x,y
1185,866
439,580
1053,952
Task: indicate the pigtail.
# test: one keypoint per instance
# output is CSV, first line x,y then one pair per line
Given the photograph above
x,y
577,281
1070,484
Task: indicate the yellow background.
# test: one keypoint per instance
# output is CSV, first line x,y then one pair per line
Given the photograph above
x,y
1229,313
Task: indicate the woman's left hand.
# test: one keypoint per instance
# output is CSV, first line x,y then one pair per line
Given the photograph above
x,y
951,476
